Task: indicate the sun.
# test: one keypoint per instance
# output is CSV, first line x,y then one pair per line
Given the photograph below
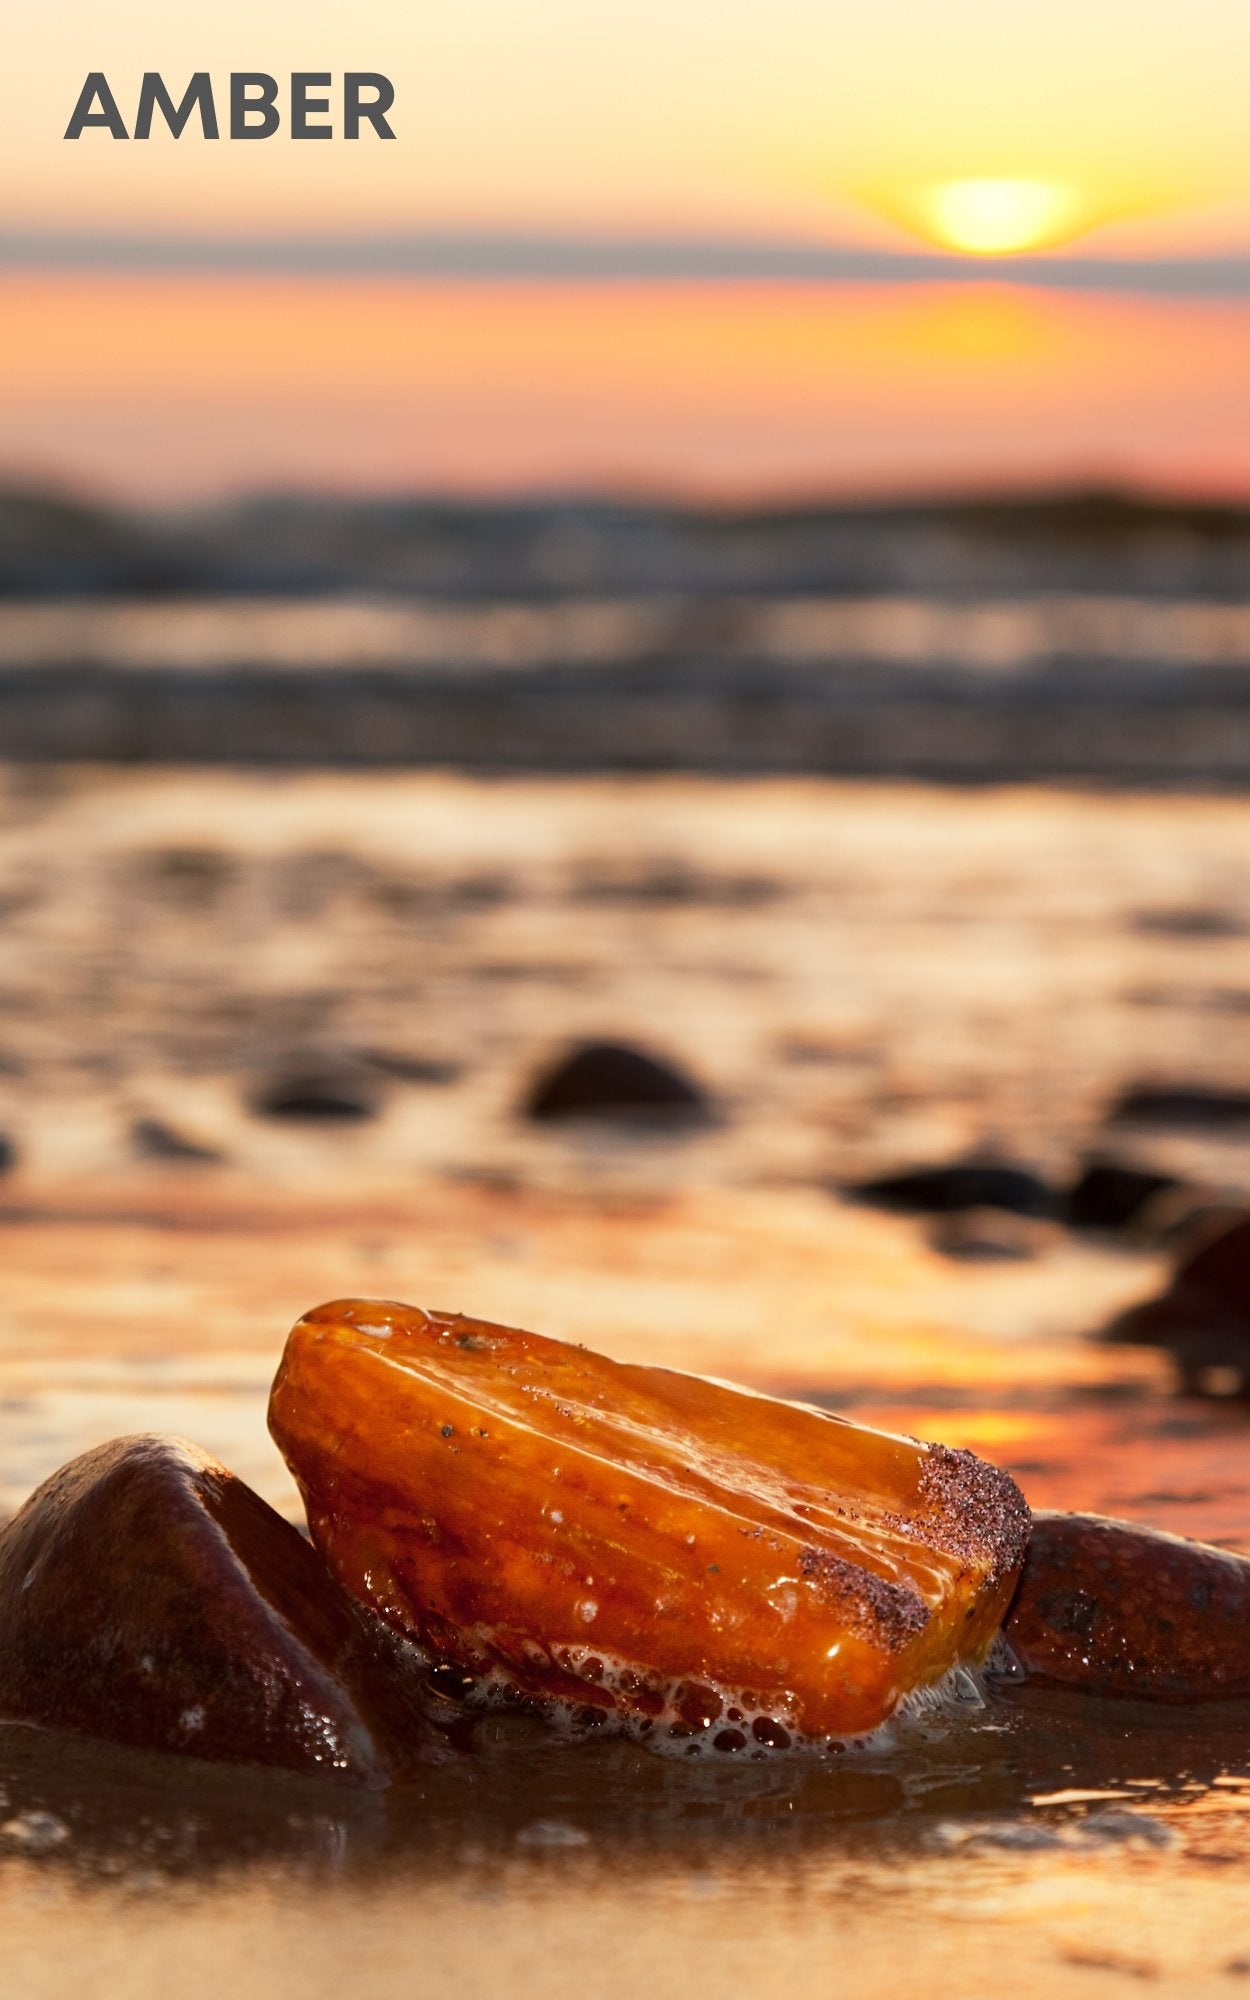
x,y
993,218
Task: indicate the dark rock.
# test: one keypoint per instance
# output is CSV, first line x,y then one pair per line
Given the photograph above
x,y
1115,1609
157,1141
1219,1263
613,1080
1203,1318
964,1184
1109,1195
8,1153
149,1597
318,1092
1181,1107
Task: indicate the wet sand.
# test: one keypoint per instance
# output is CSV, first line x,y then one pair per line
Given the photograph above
x,y
859,976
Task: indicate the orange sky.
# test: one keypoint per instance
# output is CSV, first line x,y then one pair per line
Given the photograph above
x,y
155,387
795,115
1123,120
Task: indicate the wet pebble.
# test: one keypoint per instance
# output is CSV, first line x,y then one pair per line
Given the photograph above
x,y
1182,1107
958,1186
615,1080
150,1598
1202,1318
1110,1608
315,1091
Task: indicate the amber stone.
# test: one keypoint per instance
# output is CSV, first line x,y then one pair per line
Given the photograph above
x,y
633,1538
1117,1609
149,1597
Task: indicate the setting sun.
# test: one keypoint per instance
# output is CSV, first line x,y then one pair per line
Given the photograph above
x,y
991,218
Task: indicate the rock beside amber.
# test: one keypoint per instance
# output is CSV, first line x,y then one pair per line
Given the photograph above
x,y
685,1553
149,1597
1116,1609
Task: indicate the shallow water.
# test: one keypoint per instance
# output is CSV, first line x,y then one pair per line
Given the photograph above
x,y
1084,1841
860,976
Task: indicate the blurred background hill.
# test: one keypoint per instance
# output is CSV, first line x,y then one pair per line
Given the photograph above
x,y
1096,541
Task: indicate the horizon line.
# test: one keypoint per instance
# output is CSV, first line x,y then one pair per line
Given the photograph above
x,y
554,257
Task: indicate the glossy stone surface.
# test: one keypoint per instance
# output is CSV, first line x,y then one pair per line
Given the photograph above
x,y
1117,1609
149,1597
633,1538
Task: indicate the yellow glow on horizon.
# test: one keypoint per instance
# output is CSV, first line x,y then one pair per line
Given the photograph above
x,y
988,217
1005,214
757,122
205,385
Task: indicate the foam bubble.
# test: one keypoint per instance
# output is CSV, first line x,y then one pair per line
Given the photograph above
x,y
686,1718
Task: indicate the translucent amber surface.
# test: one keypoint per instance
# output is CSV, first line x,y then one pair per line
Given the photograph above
x,y
634,1538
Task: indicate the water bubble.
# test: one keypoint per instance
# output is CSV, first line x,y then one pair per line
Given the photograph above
x,y
683,1718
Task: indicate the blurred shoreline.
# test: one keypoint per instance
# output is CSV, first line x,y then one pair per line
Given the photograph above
x,y
1087,638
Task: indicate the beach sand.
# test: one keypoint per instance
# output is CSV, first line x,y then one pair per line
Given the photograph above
x,y
859,977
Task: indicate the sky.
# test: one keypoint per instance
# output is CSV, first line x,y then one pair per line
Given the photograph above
x,y
731,116
152,390
1099,129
